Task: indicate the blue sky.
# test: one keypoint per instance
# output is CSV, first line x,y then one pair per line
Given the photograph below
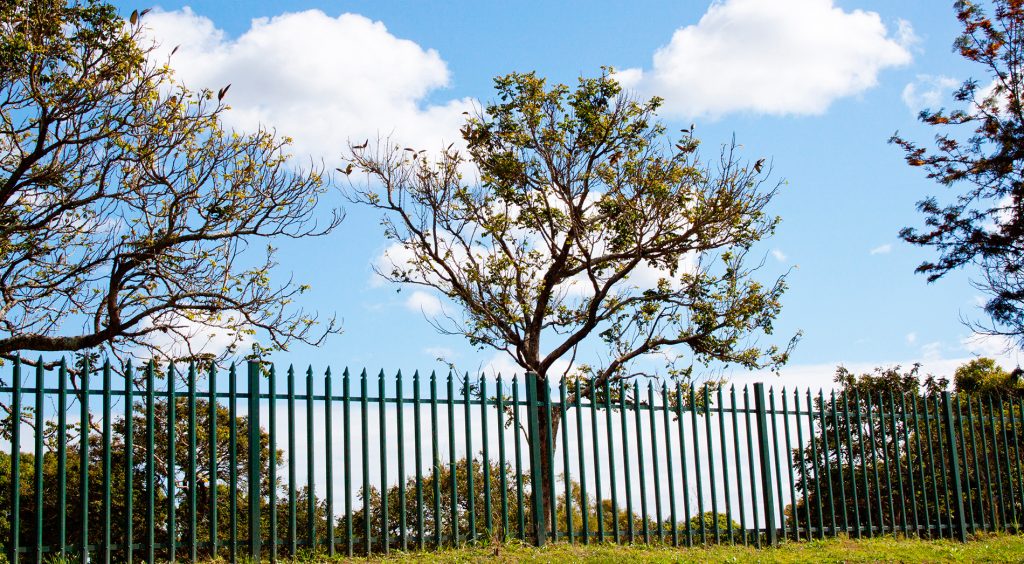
x,y
817,86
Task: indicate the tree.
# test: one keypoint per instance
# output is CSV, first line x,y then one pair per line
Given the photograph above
x,y
580,196
164,470
885,438
851,451
438,524
125,207
984,376
980,151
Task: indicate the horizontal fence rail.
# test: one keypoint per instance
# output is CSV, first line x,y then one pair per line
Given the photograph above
x,y
162,463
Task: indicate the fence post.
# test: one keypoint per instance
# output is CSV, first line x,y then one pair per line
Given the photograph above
x,y
254,459
954,457
766,470
83,460
536,476
16,461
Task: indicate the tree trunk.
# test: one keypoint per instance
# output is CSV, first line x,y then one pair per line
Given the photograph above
x,y
548,447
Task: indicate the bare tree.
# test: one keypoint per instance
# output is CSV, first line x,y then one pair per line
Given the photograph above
x,y
126,210
580,197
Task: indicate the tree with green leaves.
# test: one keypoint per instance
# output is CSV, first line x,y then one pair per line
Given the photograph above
x,y
586,226
164,470
979,152
983,376
888,440
126,208
440,523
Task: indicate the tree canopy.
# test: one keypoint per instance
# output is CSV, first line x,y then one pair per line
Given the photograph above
x,y
586,225
585,221
979,151
883,433
126,208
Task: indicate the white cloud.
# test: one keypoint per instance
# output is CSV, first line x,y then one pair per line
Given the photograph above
x,y
931,356
424,302
881,249
189,338
779,255
503,364
994,346
440,352
815,376
396,255
928,91
318,79
905,34
931,352
782,57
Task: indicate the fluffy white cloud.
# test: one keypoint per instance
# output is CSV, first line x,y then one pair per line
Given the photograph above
x,y
779,255
928,91
424,302
319,79
782,57
931,352
502,364
995,346
881,249
191,338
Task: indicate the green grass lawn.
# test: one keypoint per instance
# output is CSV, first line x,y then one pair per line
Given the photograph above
x,y
991,548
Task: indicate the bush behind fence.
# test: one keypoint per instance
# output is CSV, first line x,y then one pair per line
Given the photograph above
x,y
171,470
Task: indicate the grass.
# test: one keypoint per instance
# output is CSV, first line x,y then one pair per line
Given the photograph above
x,y
987,548
983,548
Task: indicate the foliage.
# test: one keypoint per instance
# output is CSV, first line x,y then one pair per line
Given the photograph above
x,y
579,190
609,519
432,520
118,484
581,195
885,438
730,531
984,376
978,150
125,207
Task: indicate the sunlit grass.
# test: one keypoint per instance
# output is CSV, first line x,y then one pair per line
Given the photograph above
x,y
984,548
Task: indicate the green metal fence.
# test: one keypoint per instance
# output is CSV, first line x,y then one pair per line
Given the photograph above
x,y
172,466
